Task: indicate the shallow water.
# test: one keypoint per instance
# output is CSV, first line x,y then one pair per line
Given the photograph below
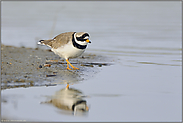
x,y
143,38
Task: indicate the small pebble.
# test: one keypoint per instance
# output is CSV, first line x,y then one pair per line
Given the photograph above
x,y
40,66
50,75
47,65
55,72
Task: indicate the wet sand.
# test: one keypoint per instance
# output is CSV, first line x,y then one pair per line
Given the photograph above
x,y
25,67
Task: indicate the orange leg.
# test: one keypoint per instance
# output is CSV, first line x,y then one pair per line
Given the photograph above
x,y
67,86
68,66
68,63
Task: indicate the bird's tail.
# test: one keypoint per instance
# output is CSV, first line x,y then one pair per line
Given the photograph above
x,y
44,42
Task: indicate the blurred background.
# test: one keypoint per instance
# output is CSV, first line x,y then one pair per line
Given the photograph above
x,y
117,23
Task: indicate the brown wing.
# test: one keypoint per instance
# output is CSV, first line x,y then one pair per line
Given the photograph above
x,y
58,41
61,39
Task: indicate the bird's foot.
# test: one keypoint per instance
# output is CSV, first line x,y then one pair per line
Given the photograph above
x,y
69,68
68,63
74,68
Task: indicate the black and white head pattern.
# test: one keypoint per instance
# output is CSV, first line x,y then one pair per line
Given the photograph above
x,y
80,40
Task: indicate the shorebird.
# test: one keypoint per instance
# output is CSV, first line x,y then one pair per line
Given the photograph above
x,y
68,45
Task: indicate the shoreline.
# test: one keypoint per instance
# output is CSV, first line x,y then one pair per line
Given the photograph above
x,y
26,67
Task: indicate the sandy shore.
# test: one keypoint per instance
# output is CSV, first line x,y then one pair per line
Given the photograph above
x,y
25,67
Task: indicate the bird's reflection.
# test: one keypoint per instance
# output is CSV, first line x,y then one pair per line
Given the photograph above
x,y
70,99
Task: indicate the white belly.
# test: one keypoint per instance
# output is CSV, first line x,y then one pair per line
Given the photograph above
x,y
68,51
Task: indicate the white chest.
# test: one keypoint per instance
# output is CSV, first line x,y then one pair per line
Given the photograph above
x,y
68,51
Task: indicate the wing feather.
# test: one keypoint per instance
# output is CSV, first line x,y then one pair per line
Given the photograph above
x,y
58,41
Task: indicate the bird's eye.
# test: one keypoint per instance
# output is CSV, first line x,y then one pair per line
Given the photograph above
x,y
84,37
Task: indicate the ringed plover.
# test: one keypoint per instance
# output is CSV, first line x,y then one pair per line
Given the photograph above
x,y
68,45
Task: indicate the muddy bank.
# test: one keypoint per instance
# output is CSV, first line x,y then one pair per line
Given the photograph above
x,y
25,67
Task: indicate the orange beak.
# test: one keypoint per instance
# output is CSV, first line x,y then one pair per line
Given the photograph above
x,y
88,41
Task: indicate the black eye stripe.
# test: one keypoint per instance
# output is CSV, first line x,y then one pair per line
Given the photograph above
x,y
80,39
84,35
